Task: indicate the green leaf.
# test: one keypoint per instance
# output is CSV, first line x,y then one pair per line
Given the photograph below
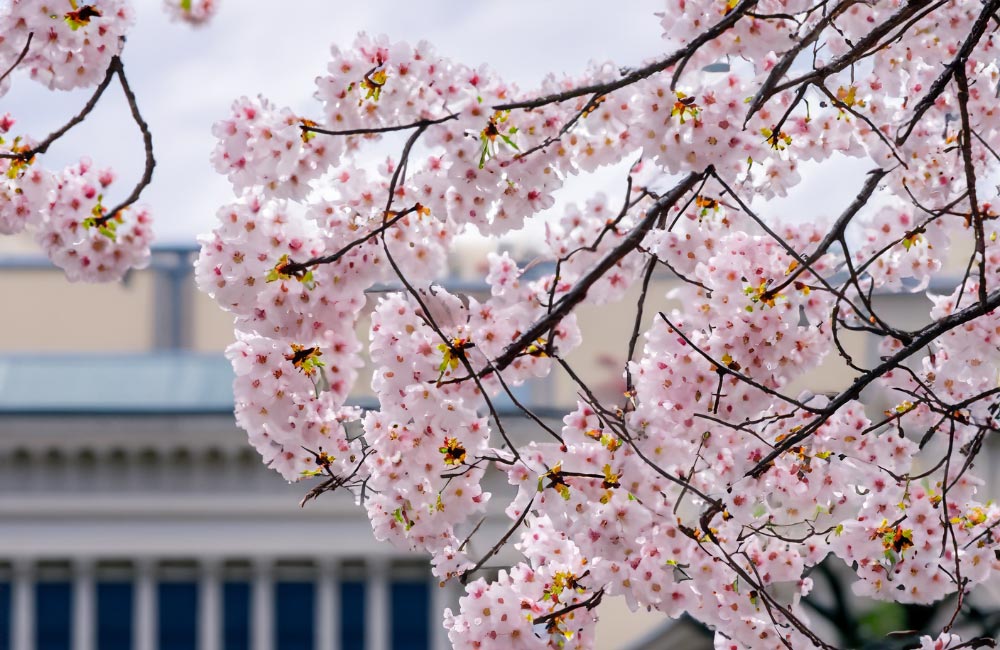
x,y
482,158
509,141
106,228
186,5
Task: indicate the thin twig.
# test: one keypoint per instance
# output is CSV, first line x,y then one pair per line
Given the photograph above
x,y
147,143
20,58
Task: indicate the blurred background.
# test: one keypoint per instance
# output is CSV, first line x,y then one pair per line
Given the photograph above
x,y
135,515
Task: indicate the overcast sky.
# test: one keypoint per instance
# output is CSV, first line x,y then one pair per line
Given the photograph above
x,y
186,78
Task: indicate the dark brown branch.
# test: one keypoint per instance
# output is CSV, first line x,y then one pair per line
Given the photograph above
x,y
871,41
920,340
619,430
419,124
970,175
788,58
20,58
637,324
978,642
295,268
612,226
528,412
147,143
843,106
836,230
578,293
589,603
44,145
722,369
464,578
696,43
952,69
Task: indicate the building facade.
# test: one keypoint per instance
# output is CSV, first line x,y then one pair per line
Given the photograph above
x,y
134,515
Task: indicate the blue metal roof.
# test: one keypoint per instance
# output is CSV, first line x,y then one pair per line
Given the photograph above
x,y
174,383
154,384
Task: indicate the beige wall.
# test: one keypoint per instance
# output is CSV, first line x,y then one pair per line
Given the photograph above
x,y
211,327
606,330
44,313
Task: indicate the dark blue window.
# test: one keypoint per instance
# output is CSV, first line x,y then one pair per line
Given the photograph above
x,y
53,614
114,615
294,605
236,615
410,615
352,615
4,616
178,615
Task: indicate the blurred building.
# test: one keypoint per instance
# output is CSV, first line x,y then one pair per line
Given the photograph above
x,y
134,515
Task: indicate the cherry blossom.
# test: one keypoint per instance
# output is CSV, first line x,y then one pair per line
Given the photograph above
x,y
714,484
79,235
711,481
196,12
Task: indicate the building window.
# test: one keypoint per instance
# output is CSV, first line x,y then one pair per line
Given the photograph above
x,y
236,615
114,615
53,615
410,615
178,620
294,605
352,615
5,631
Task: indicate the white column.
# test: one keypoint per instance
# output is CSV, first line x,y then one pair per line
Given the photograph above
x,y
23,616
84,606
262,626
210,606
377,606
144,603
442,597
327,606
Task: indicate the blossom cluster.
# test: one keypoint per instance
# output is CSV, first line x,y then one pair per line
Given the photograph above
x,y
71,43
67,212
66,45
716,482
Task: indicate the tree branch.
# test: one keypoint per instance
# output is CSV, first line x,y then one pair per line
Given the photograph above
x,y
578,293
